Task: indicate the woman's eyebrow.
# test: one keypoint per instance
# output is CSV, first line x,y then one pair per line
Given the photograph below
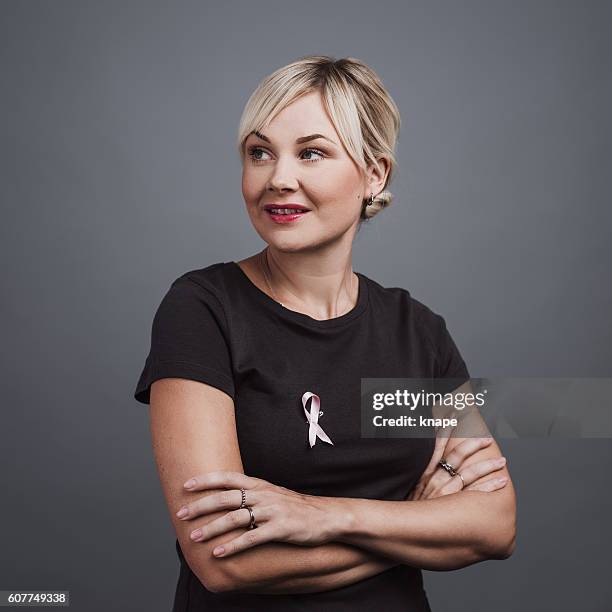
x,y
299,140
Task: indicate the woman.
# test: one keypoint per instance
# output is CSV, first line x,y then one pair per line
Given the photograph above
x,y
254,373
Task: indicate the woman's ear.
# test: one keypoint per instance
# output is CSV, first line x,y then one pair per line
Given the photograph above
x,y
377,175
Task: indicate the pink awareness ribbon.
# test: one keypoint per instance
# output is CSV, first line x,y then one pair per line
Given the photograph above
x,y
312,417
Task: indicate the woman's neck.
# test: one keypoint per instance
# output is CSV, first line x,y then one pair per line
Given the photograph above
x,y
320,289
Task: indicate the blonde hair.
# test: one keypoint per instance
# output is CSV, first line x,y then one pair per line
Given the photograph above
x,y
360,108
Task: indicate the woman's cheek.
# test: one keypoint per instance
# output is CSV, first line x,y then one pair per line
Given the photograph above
x,y
252,186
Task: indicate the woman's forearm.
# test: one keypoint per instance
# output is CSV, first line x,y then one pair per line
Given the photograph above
x,y
325,581
444,533
278,567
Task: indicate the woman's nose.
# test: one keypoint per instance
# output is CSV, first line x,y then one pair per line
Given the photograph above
x,y
283,176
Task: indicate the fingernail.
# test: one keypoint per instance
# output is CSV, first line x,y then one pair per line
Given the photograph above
x,y
182,512
218,551
196,534
190,483
501,461
503,480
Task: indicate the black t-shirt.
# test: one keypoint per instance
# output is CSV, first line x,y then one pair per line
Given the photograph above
x,y
216,326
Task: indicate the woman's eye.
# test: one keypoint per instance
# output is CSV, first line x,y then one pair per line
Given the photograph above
x,y
256,152
253,151
316,152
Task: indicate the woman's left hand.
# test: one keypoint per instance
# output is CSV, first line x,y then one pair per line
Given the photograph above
x,y
280,514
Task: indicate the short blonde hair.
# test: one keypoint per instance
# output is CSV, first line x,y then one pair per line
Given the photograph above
x,y
360,108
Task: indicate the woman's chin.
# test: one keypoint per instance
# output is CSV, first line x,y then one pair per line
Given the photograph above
x,y
287,246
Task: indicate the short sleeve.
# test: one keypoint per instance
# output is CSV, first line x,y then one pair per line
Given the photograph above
x,y
449,363
189,339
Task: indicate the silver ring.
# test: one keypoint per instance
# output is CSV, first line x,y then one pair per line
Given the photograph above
x,y
462,481
252,524
448,467
243,503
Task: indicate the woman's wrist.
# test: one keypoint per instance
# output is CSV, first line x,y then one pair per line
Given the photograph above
x,y
340,517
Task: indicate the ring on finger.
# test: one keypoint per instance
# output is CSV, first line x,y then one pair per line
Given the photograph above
x,y
243,504
252,524
462,481
448,467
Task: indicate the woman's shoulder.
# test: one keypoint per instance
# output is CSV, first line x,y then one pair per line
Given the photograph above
x,y
213,278
198,287
400,301
397,304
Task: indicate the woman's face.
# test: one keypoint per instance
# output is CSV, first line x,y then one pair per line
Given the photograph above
x,y
318,174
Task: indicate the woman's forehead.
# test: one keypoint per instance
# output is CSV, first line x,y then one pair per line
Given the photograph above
x,y
306,115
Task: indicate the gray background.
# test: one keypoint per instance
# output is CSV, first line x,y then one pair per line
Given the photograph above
x,y
119,173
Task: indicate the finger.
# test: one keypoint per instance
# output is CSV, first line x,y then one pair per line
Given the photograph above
x,y
438,452
220,480
230,499
465,449
415,494
228,522
444,435
438,479
253,537
444,484
436,482
453,485
433,477
489,485
482,468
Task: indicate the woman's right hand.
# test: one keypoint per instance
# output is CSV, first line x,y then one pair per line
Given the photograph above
x,y
436,481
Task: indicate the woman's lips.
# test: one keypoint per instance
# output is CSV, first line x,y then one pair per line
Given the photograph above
x,y
290,218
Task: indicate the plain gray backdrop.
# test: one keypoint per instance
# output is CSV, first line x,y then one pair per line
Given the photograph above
x,y
119,173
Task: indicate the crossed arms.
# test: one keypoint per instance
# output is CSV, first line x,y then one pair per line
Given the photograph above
x,y
194,431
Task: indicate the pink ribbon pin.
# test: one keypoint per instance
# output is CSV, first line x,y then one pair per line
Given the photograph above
x,y
312,417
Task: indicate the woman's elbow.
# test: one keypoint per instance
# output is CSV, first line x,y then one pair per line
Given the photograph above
x,y
215,582
225,575
210,574
504,548
501,544
509,550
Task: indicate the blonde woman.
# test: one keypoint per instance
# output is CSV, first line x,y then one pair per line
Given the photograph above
x,y
253,380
